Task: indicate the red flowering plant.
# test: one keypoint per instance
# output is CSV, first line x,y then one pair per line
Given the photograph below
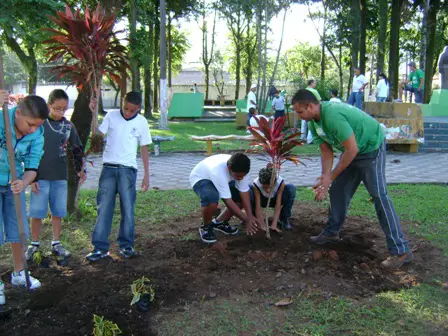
x,y
89,49
276,145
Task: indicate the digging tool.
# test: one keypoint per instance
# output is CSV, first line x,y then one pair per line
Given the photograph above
x,y
12,165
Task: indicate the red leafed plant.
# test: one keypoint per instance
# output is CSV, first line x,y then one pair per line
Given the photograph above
x,y
276,144
89,49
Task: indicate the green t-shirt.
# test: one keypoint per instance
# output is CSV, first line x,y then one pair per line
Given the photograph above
x,y
316,93
339,121
415,76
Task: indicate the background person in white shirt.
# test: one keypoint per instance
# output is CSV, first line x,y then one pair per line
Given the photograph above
x,y
334,96
278,105
125,130
223,177
382,88
357,95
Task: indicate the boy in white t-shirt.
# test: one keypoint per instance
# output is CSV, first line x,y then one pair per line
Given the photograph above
x,y
125,130
360,82
223,176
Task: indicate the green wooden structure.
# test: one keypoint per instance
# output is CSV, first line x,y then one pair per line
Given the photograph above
x,y
438,106
186,105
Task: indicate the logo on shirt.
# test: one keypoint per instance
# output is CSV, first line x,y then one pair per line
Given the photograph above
x,y
134,132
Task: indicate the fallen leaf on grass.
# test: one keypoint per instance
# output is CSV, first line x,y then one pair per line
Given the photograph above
x,y
155,188
284,302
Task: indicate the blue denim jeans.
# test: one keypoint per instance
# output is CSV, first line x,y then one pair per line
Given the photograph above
x,y
53,192
370,169
9,227
356,98
380,99
418,94
113,180
208,193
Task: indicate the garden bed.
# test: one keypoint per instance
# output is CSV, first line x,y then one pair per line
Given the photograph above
x,y
186,271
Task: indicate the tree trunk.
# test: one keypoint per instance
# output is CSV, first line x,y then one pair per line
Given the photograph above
x,y
341,73
238,49
261,97
425,31
147,76
259,47
363,37
101,110
82,120
117,93
355,12
432,25
324,35
163,83
155,72
382,36
170,52
32,77
394,50
132,44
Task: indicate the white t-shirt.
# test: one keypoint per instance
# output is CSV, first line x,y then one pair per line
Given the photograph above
x,y
123,137
278,103
336,100
277,186
253,122
251,97
382,89
358,82
214,168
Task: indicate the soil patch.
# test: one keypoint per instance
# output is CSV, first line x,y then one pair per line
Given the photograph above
x,y
185,270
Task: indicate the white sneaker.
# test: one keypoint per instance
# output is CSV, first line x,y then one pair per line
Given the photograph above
x,y
2,294
19,280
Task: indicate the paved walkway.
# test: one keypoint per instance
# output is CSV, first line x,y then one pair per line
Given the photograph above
x,y
171,170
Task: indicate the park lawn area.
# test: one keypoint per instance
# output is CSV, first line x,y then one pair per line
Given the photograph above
x,y
419,310
184,130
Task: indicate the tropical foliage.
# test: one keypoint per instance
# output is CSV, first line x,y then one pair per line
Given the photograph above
x,y
89,47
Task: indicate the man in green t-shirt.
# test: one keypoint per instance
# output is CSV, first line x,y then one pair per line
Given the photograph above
x,y
415,83
360,138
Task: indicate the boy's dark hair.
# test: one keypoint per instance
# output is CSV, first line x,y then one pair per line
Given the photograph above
x,y
56,95
34,107
239,163
133,97
252,110
265,175
311,81
304,96
334,92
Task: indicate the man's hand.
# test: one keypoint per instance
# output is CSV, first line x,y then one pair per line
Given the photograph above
x,y
17,186
145,183
321,187
35,187
4,97
252,226
82,176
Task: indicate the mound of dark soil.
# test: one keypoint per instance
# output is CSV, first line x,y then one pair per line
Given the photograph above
x,y
185,270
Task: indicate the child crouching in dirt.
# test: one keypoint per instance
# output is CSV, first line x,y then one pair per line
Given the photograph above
x,y
26,121
223,176
50,186
282,199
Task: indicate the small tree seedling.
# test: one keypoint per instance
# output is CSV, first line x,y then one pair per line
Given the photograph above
x,y
142,286
103,327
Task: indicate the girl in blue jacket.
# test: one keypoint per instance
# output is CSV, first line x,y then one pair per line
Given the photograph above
x,y
26,121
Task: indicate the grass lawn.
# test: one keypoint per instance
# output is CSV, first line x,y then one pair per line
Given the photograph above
x,y
184,130
421,310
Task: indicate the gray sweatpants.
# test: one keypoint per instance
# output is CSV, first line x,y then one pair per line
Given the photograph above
x,y
370,169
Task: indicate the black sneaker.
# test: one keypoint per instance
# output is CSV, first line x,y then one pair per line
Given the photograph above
x,y
225,228
128,252
207,234
96,255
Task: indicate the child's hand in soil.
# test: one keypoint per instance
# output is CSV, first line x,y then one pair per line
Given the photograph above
x,y
252,226
275,228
